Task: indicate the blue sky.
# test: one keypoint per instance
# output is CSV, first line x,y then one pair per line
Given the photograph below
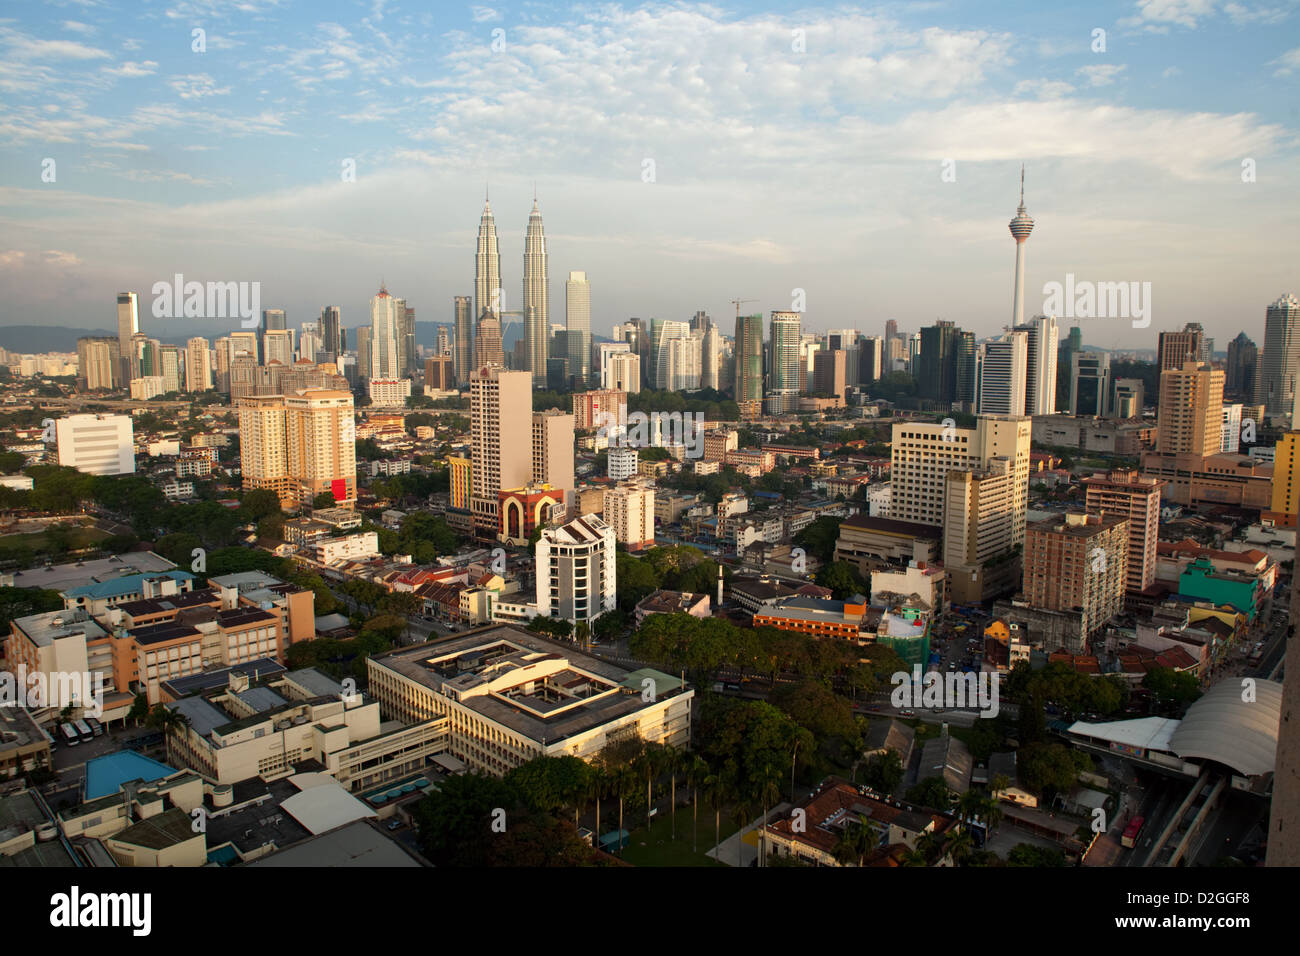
x,y
782,160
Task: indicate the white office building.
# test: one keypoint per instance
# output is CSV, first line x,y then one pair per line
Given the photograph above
x,y
97,444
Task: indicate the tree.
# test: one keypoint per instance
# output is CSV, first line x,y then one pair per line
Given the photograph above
x,y
884,771
819,538
858,839
323,500
1171,687
259,503
931,792
842,578
455,822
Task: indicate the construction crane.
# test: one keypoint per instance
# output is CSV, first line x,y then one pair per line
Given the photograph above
x,y
738,303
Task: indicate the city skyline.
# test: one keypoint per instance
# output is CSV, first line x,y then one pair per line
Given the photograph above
x,y
886,104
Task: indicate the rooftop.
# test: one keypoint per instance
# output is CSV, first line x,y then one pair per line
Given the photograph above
x,y
59,576
105,775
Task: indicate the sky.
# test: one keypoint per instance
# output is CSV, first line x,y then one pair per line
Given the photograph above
x,y
684,155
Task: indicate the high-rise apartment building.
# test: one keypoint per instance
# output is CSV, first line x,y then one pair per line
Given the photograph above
x,y
128,324
623,372
487,267
924,453
299,446
1286,479
331,327
96,444
577,315
710,356
99,362
461,469
1001,370
1279,361
386,317
621,462
783,378
749,358
576,577
630,511
273,319
171,366
277,346
677,357
552,446
1078,564
1136,497
537,314
1177,348
1190,417
605,408
501,440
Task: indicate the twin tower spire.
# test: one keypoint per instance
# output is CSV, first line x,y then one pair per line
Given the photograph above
x,y
490,295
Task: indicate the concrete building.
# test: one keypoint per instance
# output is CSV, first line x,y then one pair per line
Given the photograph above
x,y
1001,375
622,371
299,445
575,566
96,444
622,462
353,547
1279,359
1079,564
630,511
1090,384
1190,418
867,541
980,532
501,440
1136,497
510,696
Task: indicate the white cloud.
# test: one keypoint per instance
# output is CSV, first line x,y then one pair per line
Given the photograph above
x,y
1157,15
484,14
1171,72
1101,74
1242,15
57,257
24,47
1287,63
196,86
75,26
133,69
13,257
1044,89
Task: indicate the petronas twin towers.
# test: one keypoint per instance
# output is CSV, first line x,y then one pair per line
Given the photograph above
x,y
489,297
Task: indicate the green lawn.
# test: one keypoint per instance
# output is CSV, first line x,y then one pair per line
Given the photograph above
x,y
77,538
655,848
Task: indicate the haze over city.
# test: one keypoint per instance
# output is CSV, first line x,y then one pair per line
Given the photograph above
x,y
789,151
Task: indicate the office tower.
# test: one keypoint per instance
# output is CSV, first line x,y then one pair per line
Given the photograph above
x,y
1127,398
1041,333
577,315
980,525
1280,358
935,366
1021,226
891,330
501,441
1190,417
621,462
385,329
487,343
630,511
710,357
965,373
537,314
623,372
1230,430
99,362
96,444
1239,373
1136,497
784,376
331,325
552,451
438,375
272,319
406,354
128,324
1078,564
1090,383
444,341
142,356
320,432
487,266
749,358
277,346
463,327
922,454
364,333
557,367
1001,368
171,366
576,579
871,359
830,373
700,321
1176,348
809,346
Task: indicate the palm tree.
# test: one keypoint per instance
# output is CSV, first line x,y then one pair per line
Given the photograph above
x,y
767,792
858,839
931,844
715,792
960,845
651,761
743,811
697,771
622,782
992,811
969,805
674,760
912,857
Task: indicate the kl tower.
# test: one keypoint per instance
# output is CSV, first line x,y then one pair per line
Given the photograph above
x,y
1020,228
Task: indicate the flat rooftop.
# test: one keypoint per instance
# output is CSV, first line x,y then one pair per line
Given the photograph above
x,y
450,668
45,629
58,577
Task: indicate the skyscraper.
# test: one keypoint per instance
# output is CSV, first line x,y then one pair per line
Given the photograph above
x,y
1280,358
1040,385
501,439
784,377
1239,373
1175,348
1190,417
273,319
331,324
363,351
385,327
577,315
487,266
1001,367
936,365
749,358
1090,384
710,358
1137,498
965,390
487,342
537,312
444,341
463,350
128,324
1021,226
677,357
1078,564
